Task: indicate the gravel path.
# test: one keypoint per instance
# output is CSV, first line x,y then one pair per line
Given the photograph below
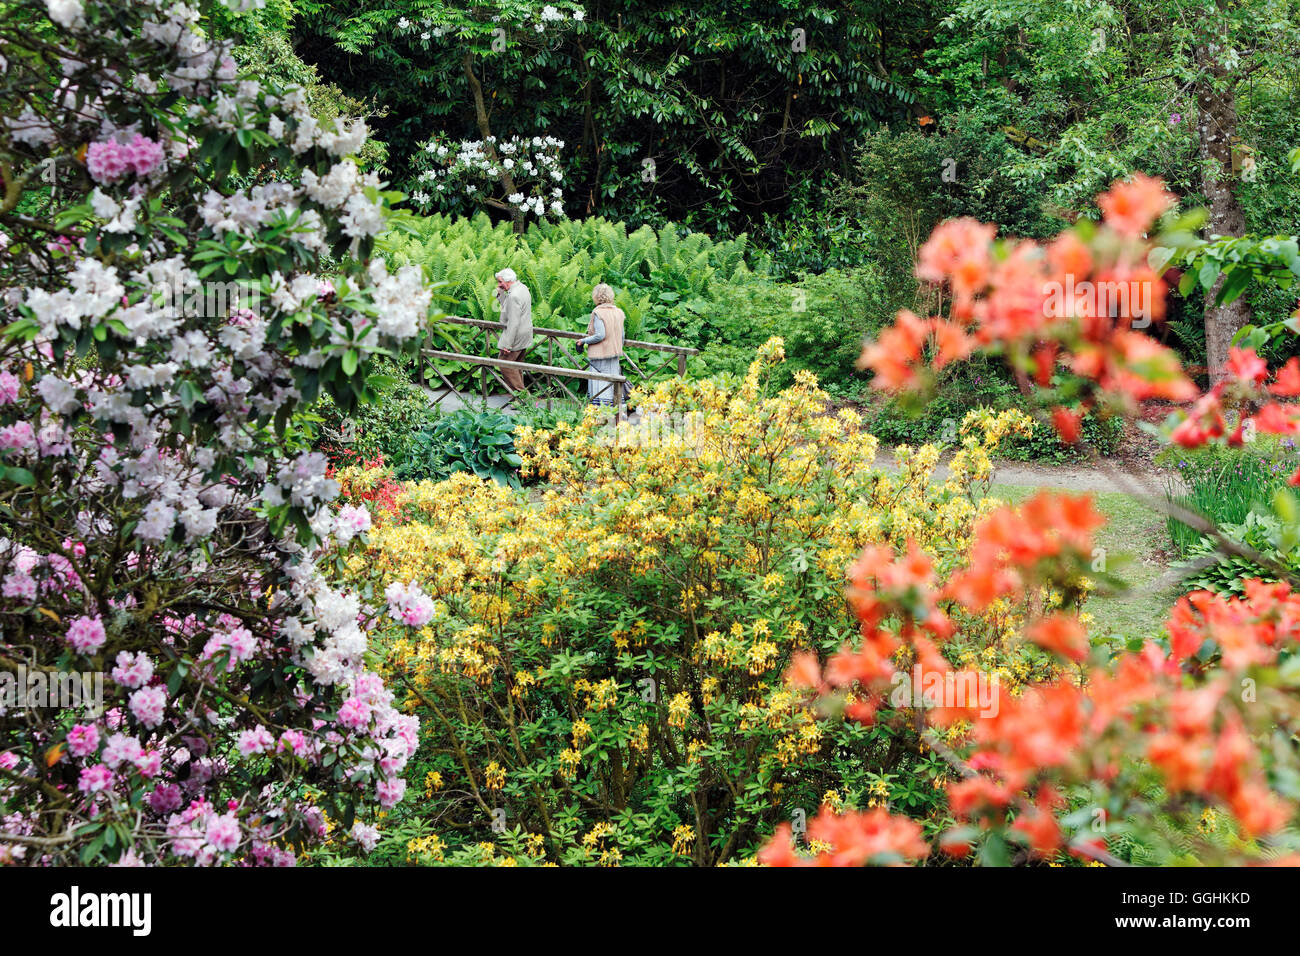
x,y
1113,476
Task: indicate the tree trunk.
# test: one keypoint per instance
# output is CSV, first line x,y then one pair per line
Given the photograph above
x,y
485,130
1216,129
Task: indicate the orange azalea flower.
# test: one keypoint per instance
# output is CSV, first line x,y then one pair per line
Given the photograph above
x,y
854,839
977,793
1070,257
1016,308
1245,365
1287,383
896,353
804,671
1131,207
953,343
866,666
958,252
1275,419
1061,634
1039,826
1044,358
1068,424
1179,760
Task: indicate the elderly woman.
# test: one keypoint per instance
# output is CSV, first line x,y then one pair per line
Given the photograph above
x,y
604,345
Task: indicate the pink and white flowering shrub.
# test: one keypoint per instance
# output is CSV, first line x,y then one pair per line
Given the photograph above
x,y
162,518
409,605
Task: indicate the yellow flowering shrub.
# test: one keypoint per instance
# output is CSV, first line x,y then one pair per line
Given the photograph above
x,y
601,679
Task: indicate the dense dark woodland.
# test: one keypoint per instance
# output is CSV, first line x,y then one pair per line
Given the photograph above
x,y
831,131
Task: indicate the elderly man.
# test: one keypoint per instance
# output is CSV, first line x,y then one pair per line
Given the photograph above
x,y
517,314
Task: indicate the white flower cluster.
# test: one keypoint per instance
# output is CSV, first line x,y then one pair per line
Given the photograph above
x,y
539,19
531,163
343,187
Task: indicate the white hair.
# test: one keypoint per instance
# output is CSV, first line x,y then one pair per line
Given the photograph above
x,y
602,294
507,275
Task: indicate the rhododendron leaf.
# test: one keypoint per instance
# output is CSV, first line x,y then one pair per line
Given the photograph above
x,y
72,216
20,476
349,362
176,677
172,234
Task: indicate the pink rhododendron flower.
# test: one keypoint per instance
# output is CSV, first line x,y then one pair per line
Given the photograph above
x,y
256,741
223,832
238,642
294,741
351,522
19,584
109,161
149,764
354,714
95,779
86,634
132,670
165,798
148,705
83,740
9,387
20,436
365,835
390,792
120,748
408,604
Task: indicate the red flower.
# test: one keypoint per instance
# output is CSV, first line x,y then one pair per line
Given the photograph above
x,y
1068,423
1287,383
1245,365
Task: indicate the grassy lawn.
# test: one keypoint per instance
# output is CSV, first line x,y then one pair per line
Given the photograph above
x,y
1136,543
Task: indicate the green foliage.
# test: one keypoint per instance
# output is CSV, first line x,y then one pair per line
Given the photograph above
x,y
732,106
1211,569
1239,491
662,279
479,442
264,41
822,318
386,426
1224,485
903,184
983,383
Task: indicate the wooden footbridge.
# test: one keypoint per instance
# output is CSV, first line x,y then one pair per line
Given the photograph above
x,y
550,380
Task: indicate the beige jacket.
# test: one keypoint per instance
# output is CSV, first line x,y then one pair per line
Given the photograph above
x,y
517,314
611,346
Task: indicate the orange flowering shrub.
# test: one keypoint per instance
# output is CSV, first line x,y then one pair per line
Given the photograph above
x,y
1113,751
1128,757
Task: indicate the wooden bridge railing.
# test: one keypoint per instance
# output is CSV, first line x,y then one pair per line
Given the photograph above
x,y
555,339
